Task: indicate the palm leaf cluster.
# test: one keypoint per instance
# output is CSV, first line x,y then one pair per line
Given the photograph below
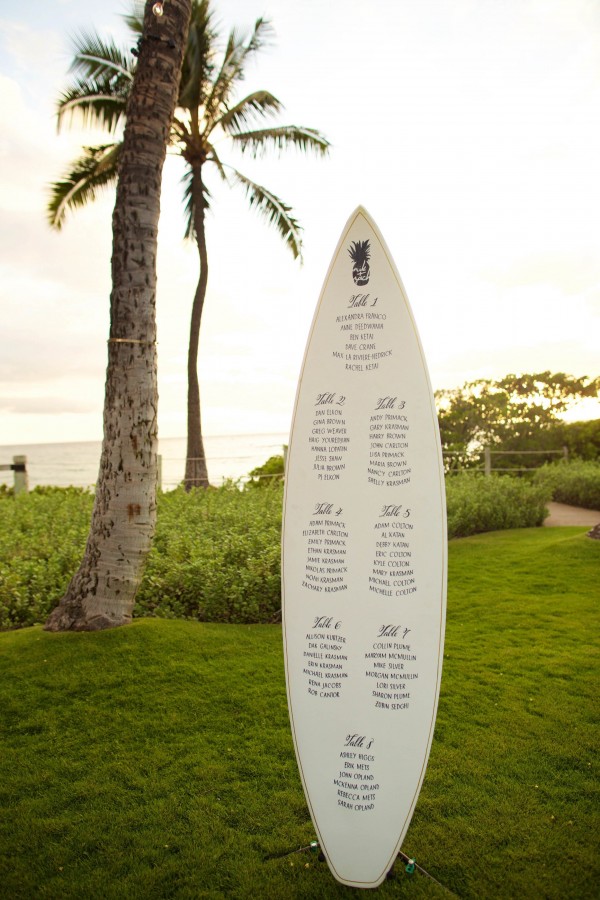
x,y
207,111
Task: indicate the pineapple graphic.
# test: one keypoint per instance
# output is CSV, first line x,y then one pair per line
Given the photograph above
x,y
360,254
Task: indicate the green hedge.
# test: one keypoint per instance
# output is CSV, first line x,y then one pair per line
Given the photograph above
x,y
42,538
216,553
215,556
477,503
577,482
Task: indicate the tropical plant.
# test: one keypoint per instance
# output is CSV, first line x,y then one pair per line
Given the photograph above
x,y
207,111
101,593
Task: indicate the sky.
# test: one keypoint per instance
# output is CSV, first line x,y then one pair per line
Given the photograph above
x,y
470,131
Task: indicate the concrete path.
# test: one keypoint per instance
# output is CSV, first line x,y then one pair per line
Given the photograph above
x,y
561,514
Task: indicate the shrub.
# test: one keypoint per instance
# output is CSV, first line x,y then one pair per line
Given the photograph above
x,y
477,503
576,482
265,475
42,539
216,553
215,556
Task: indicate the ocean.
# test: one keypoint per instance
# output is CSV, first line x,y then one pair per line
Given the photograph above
x,y
228,456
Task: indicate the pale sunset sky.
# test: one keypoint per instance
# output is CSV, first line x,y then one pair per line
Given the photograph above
x,y
469,129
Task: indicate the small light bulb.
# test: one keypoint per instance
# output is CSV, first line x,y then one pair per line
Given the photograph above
x,y
157,9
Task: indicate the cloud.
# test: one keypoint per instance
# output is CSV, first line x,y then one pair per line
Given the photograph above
x,y
45,406
49,328
26,46
485,361
571,273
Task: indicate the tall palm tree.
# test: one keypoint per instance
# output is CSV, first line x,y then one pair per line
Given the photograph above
x,y
207,111
101,593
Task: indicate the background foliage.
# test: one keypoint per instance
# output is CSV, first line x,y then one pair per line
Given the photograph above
x,y
577,483
216,553
517,412
476,503
215,556
272,470
42,539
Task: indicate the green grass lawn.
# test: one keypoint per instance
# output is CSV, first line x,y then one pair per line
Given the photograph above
x,y
156,761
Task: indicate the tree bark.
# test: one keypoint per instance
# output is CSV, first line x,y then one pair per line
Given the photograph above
x,y
102,592
196,470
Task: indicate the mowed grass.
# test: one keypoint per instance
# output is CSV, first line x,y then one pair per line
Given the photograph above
x,y
156,760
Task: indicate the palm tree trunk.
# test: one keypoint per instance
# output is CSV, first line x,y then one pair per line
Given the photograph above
x,y
102,592
196,471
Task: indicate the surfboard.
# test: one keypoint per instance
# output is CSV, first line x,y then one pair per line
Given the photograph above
x,y
363,561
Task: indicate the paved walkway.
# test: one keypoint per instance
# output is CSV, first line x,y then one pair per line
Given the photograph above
x,y
561,514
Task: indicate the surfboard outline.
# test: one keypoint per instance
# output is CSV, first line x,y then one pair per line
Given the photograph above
x,y
361,211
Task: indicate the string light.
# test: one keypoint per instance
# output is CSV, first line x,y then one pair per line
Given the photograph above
x,y
157,9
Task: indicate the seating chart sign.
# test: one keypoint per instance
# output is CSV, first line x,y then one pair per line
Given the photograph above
x,y
363,561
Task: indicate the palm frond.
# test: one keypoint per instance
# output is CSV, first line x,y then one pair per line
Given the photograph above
x,y
237,52
135,20
188,203
260,37
213,157
95,169
232,69
187,180
274,210
305,139
99,101
257,105
100,59
198,64
180,132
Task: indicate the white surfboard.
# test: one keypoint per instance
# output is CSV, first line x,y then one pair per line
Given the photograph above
x,y
364,562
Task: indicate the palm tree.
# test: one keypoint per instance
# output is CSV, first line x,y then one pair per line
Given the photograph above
x,y
101,593
207,112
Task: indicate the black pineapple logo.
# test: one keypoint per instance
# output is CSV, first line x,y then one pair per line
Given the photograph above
x,y
360,254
